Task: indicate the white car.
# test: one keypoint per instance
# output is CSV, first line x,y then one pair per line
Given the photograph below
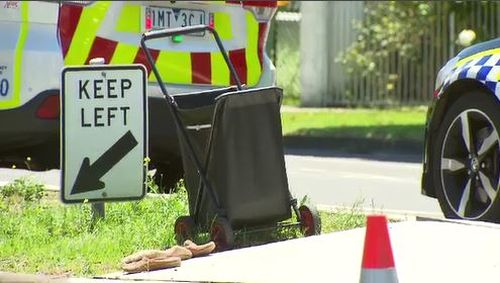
x,y
39,38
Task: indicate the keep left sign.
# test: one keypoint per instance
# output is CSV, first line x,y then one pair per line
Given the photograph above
x,y
103,133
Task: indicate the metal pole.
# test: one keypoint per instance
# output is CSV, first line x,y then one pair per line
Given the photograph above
x,y
98,211
98,208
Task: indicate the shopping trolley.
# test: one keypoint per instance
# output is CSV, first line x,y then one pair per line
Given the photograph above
x,y
232,153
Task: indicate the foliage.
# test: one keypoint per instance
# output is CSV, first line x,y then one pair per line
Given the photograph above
x,y
387,27
400,45
399,27
283,48
52,238
23,189
342,219
47,237
287,73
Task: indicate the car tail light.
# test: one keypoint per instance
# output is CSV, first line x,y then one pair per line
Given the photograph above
x,y
265,3
269,3
49,108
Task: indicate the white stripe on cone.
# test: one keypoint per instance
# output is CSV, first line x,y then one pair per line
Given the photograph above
x,y
369,275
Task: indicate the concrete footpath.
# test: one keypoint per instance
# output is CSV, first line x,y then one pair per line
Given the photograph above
x,y
424,251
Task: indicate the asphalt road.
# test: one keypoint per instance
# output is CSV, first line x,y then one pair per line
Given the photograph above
x,y
377,182
374,182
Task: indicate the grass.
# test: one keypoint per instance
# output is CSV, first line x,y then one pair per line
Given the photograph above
x,y
39,234
387,124
49,237
341,220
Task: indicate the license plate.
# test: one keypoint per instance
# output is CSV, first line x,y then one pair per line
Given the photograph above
x,y
166,17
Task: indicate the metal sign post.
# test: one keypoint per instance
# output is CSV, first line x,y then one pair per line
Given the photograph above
x,y
98,208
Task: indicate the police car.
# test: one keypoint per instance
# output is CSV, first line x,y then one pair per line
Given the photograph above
x,y
462,148
39,38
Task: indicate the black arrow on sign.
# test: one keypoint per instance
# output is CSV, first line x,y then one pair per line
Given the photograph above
x,y
88,178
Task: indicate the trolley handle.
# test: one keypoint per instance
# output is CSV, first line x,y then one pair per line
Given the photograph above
x,y
156,34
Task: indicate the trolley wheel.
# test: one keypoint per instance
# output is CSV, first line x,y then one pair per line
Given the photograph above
x,y
310,221
184,229
222,234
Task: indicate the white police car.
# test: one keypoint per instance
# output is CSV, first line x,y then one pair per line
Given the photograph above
x,y
39,38
462,148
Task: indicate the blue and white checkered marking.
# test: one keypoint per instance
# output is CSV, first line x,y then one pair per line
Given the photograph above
x,y
485,69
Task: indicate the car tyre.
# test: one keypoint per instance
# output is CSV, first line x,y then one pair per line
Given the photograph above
x,y
466,159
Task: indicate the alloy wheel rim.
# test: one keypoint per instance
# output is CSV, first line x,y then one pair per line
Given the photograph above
x,y
470,164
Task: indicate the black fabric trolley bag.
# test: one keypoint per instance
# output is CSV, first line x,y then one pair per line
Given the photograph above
x,y
232,151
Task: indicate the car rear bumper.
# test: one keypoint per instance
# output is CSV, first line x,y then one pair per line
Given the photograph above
x,y
22,129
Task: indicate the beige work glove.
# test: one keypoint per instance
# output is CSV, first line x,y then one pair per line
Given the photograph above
x,y
149,264
199,250
147,260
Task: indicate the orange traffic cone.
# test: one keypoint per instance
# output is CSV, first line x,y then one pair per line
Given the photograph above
x,y
378,262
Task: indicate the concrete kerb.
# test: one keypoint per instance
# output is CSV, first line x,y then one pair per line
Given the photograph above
x,y
391,214
354,145
36,278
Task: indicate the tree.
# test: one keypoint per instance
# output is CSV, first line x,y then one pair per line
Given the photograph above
x,y
400,26
396,26
401,45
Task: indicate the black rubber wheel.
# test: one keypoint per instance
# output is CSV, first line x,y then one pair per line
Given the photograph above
x,y
222,234
465,159
167,176
310,221
184,229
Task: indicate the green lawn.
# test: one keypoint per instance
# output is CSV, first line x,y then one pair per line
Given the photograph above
x,y
52,238
385,124
39,234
